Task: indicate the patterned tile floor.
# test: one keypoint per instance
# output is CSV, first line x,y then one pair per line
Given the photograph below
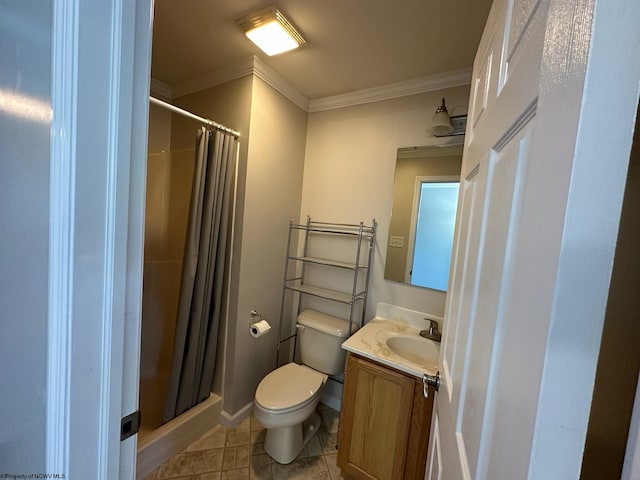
x,y
238,454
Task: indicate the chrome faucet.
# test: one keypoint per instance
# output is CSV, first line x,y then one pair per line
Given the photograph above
x,y
432,333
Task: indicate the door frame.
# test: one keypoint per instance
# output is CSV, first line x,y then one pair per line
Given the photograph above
x,y
101,58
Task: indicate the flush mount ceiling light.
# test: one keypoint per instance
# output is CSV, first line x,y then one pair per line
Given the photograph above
x,y
271,31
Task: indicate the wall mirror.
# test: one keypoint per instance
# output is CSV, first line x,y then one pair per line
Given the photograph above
x,y
425,196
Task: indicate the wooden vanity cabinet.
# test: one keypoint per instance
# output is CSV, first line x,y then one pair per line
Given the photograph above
x,y
384,432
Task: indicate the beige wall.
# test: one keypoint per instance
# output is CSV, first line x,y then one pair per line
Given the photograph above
x,y
159,137
407,169
273,191
349,171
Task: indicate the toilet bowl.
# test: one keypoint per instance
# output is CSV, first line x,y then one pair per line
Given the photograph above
x,y
285,405
286,398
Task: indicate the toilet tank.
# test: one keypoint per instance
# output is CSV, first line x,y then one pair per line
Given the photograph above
x,y
320,337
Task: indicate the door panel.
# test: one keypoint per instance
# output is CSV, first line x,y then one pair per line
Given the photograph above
x,y
434,466
522,40
481,89
476,190
462,301
454,343
503,199
518,21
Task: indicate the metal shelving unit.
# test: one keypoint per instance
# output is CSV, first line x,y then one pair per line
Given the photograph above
x,y
362,237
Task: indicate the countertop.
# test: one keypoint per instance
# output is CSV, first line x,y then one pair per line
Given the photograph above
x,y
370,342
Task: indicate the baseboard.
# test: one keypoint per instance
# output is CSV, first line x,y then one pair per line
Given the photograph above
x,y
332,392
230,421
176,435
330,401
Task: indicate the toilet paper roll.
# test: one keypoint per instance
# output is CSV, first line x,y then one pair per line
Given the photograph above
x,y
260,328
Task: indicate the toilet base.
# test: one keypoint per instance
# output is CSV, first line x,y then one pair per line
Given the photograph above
x,y
285,444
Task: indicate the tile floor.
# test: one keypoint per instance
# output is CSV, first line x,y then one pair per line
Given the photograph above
x,y
238,454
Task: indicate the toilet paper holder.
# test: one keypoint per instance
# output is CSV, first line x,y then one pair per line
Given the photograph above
x,y
254,317
258,325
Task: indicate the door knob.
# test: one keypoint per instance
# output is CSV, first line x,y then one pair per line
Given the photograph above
x,y
430,381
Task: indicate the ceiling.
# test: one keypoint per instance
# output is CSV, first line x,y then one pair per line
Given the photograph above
x,y
352,44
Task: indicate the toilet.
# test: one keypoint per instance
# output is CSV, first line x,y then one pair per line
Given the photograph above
x,y
286,399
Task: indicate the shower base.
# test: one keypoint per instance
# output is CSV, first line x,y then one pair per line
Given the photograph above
x,y
157,446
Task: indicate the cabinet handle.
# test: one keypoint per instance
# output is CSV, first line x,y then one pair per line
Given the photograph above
x,y
430,380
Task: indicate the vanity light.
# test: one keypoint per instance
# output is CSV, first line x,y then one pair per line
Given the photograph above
x,y
271,31
441,124
444,126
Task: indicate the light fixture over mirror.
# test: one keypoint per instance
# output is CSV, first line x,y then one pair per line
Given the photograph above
x,y
443,125
270,30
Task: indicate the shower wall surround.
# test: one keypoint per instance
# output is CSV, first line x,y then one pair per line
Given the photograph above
x,y
169,175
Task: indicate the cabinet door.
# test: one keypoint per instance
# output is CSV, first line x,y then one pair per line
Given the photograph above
x,y
377,406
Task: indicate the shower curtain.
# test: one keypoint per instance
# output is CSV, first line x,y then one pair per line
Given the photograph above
x,y
204,272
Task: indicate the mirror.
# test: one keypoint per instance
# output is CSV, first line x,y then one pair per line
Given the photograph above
x,y
425,196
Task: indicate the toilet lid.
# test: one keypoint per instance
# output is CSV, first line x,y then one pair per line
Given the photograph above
x,y
287,386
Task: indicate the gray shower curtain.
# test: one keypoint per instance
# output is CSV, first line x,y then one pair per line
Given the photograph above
x,y
205,271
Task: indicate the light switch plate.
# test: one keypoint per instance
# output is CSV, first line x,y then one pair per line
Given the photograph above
x,y
396,241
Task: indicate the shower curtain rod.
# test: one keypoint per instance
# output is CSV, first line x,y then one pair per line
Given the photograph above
x,y
206,121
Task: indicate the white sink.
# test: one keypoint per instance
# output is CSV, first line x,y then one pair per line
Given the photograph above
x,y
396,344
415,349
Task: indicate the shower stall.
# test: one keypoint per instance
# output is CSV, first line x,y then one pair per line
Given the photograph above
x,y
168,219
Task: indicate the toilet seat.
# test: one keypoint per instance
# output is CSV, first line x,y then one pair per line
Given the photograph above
x,y
289,387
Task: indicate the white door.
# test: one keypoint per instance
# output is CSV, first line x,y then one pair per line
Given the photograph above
x,y
540,194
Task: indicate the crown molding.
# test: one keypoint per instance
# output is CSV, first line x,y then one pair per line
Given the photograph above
x,y
275,80
226,74
251,66
254,66
161,89
455,78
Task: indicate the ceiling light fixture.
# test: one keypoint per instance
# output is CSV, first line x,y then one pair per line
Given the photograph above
x,y
271,31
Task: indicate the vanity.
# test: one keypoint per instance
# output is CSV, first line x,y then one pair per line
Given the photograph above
x,y
386,417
